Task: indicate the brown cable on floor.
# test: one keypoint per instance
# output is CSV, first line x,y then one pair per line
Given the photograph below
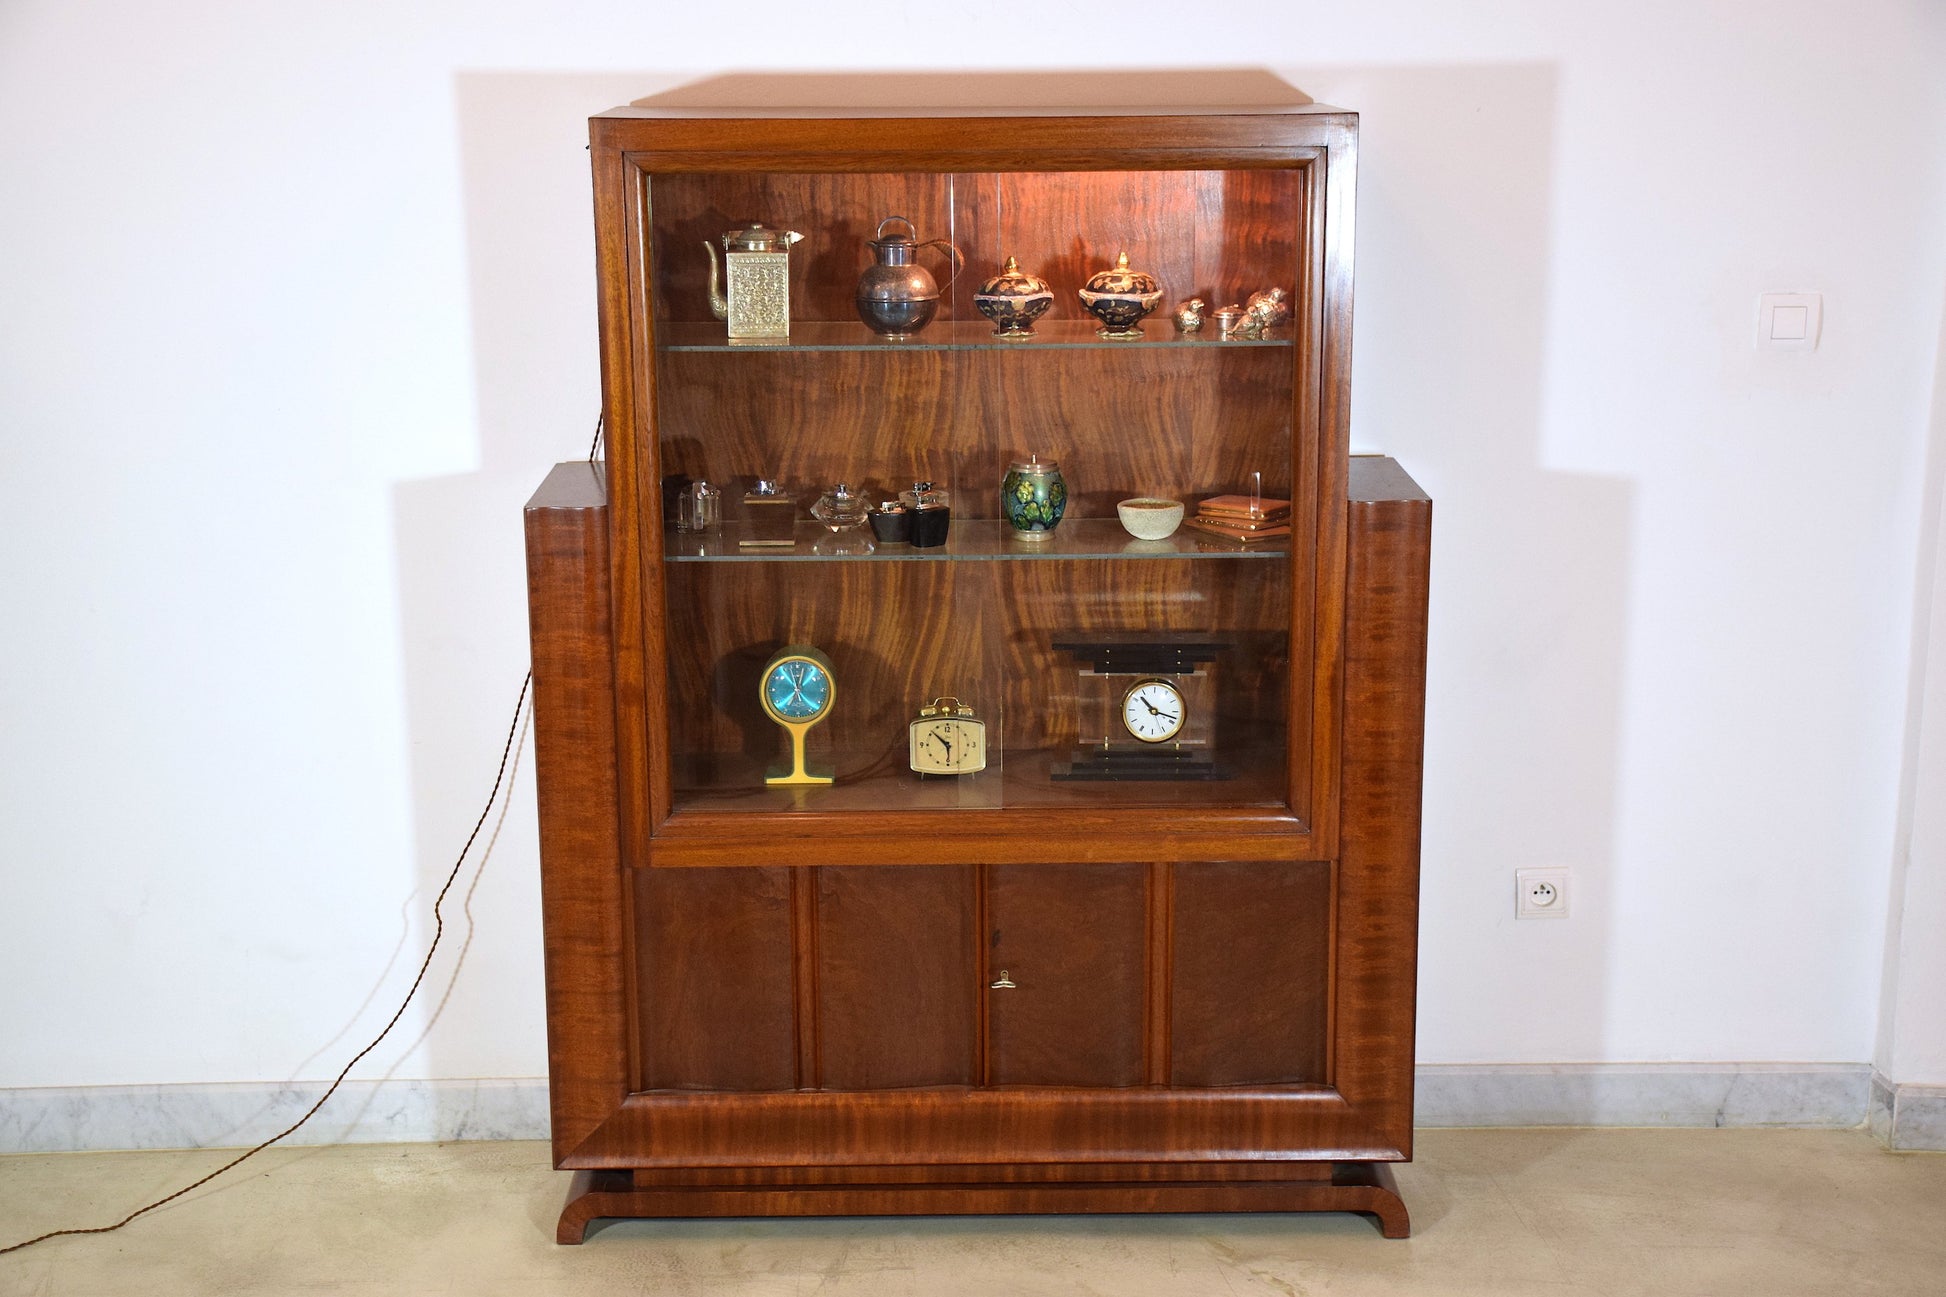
x,y
439,928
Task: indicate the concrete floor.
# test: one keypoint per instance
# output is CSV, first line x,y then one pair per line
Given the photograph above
x,y
1499,1212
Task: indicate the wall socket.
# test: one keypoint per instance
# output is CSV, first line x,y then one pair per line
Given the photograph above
x,y
1540,893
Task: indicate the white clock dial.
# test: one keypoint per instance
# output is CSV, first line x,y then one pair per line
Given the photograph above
x,y
1153,711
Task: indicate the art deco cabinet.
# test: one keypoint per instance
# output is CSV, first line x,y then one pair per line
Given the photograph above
x,y
1044,979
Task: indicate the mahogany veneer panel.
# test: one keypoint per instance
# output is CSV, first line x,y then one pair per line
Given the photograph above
x,y
896,977
836,212
900,634
714,979
1183,422
573,640
1367,1187
1073,939
1218,235
1247,996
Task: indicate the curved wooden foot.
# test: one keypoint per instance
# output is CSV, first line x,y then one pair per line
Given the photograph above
x,y
1369,1187
592,1195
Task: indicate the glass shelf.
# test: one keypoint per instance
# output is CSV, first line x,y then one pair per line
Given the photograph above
x,y
881,783
970,540
954,335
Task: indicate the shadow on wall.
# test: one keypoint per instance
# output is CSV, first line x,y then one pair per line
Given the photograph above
x,y
462,584
1530,565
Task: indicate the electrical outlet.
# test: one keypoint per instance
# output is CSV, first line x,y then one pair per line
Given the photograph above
x,y
1540,893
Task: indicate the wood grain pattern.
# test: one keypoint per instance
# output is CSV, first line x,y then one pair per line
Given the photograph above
x,y
646,1177
898,635
574,759
1260,158
861,986
896,977
1374,1003
1182,423
713,948
978,1125
1072,939
1369,1189
1248,994
1377,922
1221,235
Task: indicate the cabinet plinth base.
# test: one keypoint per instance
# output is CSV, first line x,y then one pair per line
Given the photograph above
x,y
1366,1187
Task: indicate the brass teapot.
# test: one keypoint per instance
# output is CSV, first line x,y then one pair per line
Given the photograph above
x,y
756,268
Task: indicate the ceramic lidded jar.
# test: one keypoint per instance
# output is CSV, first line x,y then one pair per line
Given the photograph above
x,y
1033,496
1013,300
1119,298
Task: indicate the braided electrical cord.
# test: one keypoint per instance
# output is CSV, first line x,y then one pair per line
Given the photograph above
x,y
439,929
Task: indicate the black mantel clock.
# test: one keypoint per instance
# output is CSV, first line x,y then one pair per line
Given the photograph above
x,y
1146,707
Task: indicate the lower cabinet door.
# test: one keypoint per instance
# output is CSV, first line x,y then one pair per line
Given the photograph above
x,y
898,977
896,999
1249,973
713,979
1066,972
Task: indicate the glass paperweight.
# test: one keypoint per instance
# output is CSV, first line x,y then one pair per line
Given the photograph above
x,y
839,510
699,508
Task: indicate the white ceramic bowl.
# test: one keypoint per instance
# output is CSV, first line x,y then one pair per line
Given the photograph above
x,y
1146,518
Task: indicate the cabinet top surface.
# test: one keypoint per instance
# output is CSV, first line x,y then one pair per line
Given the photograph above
x,y
1146,93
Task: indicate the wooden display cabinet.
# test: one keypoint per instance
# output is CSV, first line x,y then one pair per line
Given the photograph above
x,y
1002,991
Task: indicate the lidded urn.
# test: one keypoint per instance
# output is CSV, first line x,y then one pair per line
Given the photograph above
x,y
1119,298
1013,300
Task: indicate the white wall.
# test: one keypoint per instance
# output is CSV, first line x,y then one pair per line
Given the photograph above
x,y
296,305
1912,1024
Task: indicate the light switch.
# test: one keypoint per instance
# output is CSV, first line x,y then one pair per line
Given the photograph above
x,y
1790,319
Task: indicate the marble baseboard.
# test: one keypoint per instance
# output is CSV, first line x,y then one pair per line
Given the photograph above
x,y
1643,1094
378,1112
1908,1117
102,1117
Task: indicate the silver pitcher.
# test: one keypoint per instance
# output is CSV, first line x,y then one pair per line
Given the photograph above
x,y
756,269
897,296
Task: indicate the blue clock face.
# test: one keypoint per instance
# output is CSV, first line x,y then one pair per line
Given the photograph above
x,y
797,690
